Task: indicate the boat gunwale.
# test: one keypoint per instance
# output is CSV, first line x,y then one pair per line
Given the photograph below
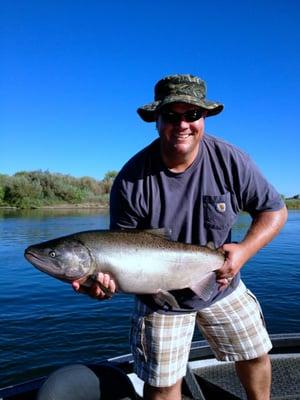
x,y
200,350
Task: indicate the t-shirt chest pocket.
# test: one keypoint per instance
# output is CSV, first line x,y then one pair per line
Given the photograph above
x,y
218,212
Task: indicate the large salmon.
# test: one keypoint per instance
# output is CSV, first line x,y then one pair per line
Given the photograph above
x,y
140,262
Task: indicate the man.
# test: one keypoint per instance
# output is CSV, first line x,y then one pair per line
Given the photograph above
x,y
195,185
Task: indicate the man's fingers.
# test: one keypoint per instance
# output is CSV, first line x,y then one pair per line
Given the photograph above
x,y
96,291
102,288
226,271
76,286
224,282
106,282
112,286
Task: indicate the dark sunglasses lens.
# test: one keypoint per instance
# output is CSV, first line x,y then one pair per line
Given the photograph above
x,y
191,116
174,118
171,117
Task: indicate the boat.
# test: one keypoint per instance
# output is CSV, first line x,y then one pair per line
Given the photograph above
x,y
206,378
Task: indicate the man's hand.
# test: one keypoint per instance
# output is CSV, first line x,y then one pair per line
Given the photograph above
x,y
103,288
235,257
265,226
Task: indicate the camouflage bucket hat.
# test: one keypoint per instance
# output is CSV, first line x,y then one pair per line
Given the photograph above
x,y
179,88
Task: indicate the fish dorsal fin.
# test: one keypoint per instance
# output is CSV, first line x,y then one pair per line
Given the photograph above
x,y
164,233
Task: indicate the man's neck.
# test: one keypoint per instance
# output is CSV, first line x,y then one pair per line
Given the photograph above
x,y
178,163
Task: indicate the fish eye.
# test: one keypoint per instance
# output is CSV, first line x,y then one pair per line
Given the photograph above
x,y
52,254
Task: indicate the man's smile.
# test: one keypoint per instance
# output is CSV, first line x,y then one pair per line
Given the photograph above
x,y
182,135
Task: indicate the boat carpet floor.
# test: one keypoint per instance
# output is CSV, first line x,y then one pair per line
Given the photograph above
x,y
285,377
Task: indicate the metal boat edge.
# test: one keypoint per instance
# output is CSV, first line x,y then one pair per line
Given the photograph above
x,y
283,344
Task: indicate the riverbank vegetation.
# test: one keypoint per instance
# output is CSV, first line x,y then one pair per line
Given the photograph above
x,y
37,189
293,202
41,188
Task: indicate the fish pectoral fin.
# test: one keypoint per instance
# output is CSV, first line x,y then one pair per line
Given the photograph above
x,y
205,287
162,297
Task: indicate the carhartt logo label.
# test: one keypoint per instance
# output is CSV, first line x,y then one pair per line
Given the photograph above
x,y
221,207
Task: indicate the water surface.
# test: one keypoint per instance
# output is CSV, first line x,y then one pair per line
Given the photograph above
x,y
44,324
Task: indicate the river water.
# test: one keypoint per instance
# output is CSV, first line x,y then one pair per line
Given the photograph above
x,y
44,324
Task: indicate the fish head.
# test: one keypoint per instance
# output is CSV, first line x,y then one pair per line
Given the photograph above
x,y
64,259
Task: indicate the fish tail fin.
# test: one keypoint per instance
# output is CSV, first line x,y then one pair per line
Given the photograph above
x,y
205,287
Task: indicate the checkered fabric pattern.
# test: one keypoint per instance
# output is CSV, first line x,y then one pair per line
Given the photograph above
x,y
160,343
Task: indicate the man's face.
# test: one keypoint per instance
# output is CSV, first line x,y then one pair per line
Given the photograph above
x,y
179,137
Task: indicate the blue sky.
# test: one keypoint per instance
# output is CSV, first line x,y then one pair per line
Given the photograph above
x,y
72,74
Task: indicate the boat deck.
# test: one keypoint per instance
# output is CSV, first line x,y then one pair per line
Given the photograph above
x,y
216,377
285,377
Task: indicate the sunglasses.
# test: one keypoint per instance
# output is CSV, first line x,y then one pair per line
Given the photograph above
x,y
188,116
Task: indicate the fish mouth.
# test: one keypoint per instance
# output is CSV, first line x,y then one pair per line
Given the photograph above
x,y
49,268
41,264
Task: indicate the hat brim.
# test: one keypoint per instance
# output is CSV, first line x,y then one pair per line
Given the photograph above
x,y
148,111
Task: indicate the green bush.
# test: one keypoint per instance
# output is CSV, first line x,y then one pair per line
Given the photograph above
x,y
108,181
292,203
22,192
38,188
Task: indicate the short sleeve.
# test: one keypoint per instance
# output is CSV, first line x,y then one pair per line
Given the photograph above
x,y
122,214
257,194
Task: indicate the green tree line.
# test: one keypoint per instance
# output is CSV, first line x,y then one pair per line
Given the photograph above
x,y
41,188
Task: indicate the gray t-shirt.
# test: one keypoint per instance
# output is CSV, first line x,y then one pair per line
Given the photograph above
x,y
199,205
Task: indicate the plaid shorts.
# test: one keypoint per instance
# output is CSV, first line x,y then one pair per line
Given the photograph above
x,y
160,343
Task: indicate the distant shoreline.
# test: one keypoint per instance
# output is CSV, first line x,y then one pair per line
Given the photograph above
x,y
90,206
83,206
74,206
59,207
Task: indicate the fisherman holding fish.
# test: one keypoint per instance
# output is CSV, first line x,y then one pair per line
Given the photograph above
x,y
195,185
